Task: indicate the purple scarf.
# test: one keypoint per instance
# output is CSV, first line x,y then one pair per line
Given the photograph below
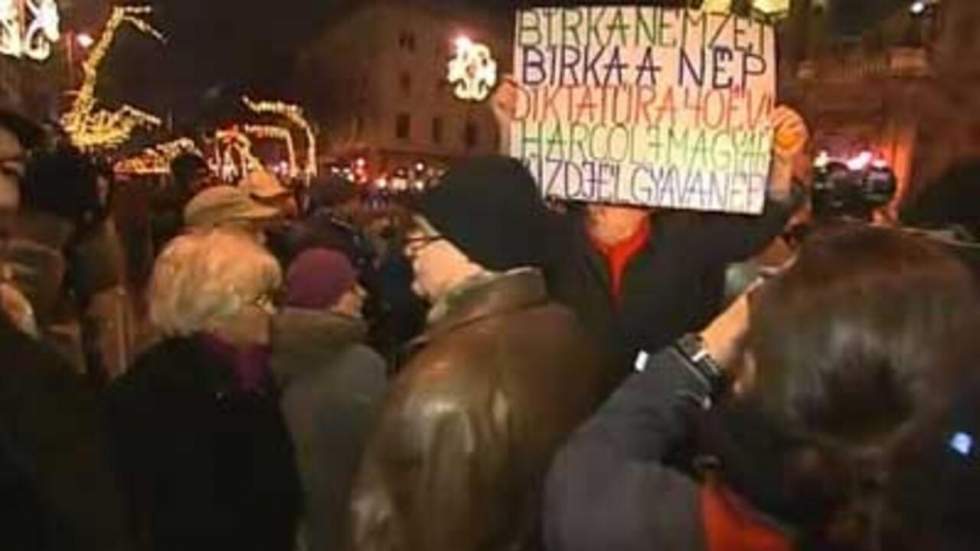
x,y
249,363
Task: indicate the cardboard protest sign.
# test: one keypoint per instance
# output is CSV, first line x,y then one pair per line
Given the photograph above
x,y
645,106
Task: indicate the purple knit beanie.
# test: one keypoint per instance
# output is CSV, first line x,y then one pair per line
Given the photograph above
x,y
317,279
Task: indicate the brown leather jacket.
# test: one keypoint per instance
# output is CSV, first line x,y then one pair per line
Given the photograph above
x,y
501,378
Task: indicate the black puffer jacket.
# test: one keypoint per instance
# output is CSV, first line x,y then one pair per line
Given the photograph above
x,y
57,491
206,466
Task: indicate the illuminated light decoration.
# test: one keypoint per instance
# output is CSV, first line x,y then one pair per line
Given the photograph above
x,y
231,157
28,28
295,115
43,30
155,160
88,128
277,133
472,71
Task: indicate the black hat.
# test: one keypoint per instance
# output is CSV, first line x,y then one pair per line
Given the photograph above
x,y
490,208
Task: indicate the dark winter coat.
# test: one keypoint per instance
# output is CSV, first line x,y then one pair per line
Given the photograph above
x,y
501,376
206,466
57,491
332,389
612,485
673,286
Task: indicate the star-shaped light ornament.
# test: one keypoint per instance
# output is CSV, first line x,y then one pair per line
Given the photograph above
x,y
28,28
472,71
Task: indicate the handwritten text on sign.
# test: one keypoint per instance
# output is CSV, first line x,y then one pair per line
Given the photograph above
x,y
645,106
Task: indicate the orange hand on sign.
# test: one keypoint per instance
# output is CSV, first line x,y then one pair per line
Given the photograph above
x,y
791,133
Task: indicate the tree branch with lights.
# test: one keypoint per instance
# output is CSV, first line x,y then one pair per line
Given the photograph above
x,y
155,160
294,114
90,128
277,133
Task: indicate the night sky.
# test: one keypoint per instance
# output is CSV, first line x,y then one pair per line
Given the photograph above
x,y
219,48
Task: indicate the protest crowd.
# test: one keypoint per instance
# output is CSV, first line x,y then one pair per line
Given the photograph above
x,y
258,365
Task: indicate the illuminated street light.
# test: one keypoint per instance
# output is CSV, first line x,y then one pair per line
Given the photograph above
x,y
918,7
85,40
463,43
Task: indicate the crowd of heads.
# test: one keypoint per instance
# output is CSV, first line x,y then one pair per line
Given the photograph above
x,y
858,348
854,419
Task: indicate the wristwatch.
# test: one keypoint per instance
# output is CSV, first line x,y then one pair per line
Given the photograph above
x,y
691,347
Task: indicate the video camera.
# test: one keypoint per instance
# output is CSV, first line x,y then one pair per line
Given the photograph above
x,y
851,188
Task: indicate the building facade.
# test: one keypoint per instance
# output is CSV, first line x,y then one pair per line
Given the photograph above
x,y
906,89
375,80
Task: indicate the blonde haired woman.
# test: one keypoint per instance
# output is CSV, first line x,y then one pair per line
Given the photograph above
x,y
204,453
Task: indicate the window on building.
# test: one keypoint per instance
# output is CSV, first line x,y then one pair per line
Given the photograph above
x,y
437,130
403,126
471,135
405,82
406,40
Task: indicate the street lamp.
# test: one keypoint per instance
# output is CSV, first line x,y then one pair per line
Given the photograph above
x,y
921,7
84,40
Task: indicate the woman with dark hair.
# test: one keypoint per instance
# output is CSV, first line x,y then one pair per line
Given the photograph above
x,y
931,499
775,428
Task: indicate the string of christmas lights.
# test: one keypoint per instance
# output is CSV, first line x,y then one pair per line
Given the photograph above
x,y
229,144
295,115
277,133
91,129
155,160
